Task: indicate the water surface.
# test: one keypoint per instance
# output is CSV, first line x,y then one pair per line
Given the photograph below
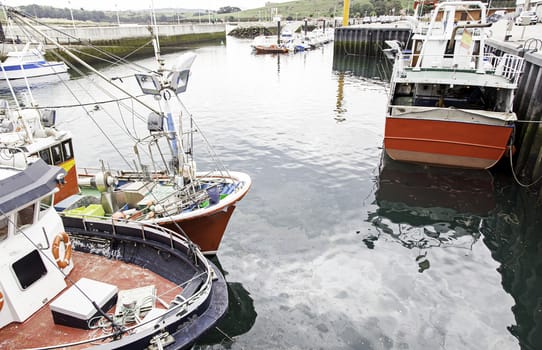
x,y
335,246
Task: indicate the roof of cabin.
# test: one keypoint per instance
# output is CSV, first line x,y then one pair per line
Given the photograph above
x,y
25,186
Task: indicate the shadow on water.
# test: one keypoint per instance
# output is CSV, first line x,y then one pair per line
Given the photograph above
x,y
238,320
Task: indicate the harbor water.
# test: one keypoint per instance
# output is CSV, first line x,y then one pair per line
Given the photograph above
x,y
336,246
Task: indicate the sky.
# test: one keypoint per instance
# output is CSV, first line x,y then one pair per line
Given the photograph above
x,y
112,5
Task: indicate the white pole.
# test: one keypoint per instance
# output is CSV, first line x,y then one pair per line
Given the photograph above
x,y
73,22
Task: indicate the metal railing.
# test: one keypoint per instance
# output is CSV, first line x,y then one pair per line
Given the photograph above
x,y
508,66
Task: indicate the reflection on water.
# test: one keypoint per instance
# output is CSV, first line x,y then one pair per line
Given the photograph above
x,y
239,318
515,239
341,110
423,207
376,67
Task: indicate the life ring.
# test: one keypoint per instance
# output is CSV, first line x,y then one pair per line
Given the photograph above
x,y
1,301
64,238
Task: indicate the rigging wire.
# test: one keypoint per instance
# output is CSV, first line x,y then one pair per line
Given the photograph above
x,y
89,44
118,101
210,149
97,124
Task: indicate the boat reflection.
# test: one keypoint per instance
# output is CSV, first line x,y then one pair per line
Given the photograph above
x,y
340,108
513,236
239,318
376,67
422,207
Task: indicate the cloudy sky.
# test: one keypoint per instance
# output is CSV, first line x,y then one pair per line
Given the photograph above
x,y
142,4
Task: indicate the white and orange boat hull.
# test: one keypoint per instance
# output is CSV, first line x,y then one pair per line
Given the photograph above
x,y
445,142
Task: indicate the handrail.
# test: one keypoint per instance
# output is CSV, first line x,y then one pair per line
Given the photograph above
x,y
508,66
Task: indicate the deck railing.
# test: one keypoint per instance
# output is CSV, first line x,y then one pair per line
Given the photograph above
x,y
508,66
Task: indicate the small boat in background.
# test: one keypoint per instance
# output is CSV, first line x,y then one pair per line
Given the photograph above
x,y
263,44
451,100
273,48
30,66
72,282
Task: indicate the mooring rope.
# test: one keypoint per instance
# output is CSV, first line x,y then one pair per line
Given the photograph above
x,y
515,175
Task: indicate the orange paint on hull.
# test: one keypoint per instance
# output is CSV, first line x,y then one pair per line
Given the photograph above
x,y
447,143
206,230
70,187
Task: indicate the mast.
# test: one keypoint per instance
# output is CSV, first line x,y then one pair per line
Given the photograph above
x,y
164,83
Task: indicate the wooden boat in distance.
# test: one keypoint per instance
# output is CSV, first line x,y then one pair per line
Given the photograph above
x,y
76,282
261,49
451,100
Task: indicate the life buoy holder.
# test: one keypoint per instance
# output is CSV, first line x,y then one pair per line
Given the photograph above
x,y
64,238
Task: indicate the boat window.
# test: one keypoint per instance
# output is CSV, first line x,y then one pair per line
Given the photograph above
x,y
46,156
67,150
45,204
4,222
29,269
57,154
25,216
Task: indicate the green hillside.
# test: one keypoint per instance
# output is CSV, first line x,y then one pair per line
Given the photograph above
x,y
318,8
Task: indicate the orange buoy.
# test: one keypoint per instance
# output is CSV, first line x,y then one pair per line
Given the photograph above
x,y
1,301
64,238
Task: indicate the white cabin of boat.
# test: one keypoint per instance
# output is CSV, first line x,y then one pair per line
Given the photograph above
x,y
28,226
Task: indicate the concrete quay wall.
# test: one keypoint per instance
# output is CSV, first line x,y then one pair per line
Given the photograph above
x,y
525,41
127,41
366,40
110,33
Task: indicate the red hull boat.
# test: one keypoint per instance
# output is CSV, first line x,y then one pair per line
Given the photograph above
x,y
449,143
451,98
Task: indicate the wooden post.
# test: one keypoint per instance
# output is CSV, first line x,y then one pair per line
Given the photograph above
x,y
278,32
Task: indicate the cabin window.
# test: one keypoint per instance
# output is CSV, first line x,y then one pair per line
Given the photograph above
x,y
29,269
25,216
4,222
46,156
57,154
67,150
45,204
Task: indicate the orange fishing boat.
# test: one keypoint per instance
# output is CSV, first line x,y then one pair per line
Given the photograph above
x,y
160,185
72,283
451,98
